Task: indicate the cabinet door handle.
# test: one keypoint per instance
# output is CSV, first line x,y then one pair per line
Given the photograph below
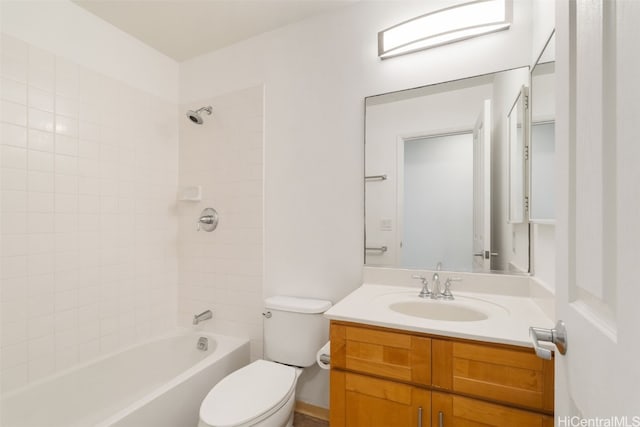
x,y
440,419
420,416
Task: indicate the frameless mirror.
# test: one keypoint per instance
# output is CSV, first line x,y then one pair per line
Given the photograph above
x,y
517,126
542,159
436,184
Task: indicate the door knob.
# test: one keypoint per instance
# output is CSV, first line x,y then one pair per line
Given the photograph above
x,y
557,336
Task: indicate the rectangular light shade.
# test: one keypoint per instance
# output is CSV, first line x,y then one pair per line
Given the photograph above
x,y
443,26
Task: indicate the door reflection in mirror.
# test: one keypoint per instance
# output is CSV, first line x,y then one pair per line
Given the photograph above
x,y
436,207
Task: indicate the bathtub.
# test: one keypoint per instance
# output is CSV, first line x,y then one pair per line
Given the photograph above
x,y
159,383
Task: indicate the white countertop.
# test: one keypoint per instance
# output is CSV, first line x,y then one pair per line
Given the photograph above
x,y
508,322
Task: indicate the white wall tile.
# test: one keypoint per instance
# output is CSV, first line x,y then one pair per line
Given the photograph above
x,y
13,355
13,157
13,113
14,377
40,99
74,166
41,120
13,179
40,141
67,107
13,135
66,126
66,165
13,91
12,245
41,69
67,78
41,202
224,272
41,161
13,223
13,201
41,367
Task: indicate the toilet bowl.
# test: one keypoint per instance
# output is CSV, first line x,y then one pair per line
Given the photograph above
x,y
260,394
263,392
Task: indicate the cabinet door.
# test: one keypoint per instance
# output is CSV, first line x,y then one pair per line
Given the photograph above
x,y
361,401
389,354
449,410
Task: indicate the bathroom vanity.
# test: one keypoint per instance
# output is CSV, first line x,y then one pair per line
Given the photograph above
x,y
395,365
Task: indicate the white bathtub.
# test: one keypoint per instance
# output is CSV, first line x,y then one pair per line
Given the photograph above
x,y
160,383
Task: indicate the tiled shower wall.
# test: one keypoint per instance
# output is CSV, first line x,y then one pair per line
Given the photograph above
x,y
222,270
89,230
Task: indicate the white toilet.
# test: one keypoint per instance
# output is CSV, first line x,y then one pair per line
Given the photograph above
x,y
263,392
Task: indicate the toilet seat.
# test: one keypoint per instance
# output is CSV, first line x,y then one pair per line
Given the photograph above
x,y
248,395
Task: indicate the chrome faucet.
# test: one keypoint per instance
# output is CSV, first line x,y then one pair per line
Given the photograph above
x,y
205,315
436,293
425,292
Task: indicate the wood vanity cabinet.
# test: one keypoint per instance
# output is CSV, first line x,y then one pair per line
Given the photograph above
x,y
386,377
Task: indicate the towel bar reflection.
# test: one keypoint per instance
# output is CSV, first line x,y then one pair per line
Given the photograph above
x,y
380,249
376,177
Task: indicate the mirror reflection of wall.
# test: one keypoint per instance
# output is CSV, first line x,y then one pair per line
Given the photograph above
x,y
542,161
414,228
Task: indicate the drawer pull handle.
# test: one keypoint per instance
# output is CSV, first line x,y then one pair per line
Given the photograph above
x,y
420,416
440,419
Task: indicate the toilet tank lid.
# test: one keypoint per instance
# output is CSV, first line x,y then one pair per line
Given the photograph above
x,y
297,304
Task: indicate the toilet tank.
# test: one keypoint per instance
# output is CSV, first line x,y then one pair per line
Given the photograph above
x,y
294,329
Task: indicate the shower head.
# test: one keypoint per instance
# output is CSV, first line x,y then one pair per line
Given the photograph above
x,y
195,116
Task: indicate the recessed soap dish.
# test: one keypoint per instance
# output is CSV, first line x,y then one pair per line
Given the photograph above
x,y
192,193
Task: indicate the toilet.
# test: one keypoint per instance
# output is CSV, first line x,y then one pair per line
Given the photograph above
x,y
263,392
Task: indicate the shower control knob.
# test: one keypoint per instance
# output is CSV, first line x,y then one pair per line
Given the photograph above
x,y
208,220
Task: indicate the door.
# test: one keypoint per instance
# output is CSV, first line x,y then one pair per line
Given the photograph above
x,y
598,222
482,190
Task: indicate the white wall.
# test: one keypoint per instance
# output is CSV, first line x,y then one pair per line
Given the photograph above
x,y
316,74
69,31
222,270
89,173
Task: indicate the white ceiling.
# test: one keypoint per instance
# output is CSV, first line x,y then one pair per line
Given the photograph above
x,y
183,29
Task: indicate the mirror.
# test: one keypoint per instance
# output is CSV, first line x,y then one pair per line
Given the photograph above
x,y
436,184
517,126
542,159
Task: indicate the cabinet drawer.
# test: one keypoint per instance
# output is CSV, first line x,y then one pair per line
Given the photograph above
x,y
387,354
514,376
449,410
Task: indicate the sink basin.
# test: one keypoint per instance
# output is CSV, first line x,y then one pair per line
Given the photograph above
x,y
447,311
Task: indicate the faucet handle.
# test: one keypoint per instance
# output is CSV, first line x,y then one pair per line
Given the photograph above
x,y
424,292
419,277
446,294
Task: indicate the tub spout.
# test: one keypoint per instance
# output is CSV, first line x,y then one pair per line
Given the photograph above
x,y
205,315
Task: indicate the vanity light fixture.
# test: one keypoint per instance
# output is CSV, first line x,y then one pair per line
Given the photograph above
x,y
449,25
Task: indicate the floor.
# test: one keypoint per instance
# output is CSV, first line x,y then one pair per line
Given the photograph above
x,y
302,420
